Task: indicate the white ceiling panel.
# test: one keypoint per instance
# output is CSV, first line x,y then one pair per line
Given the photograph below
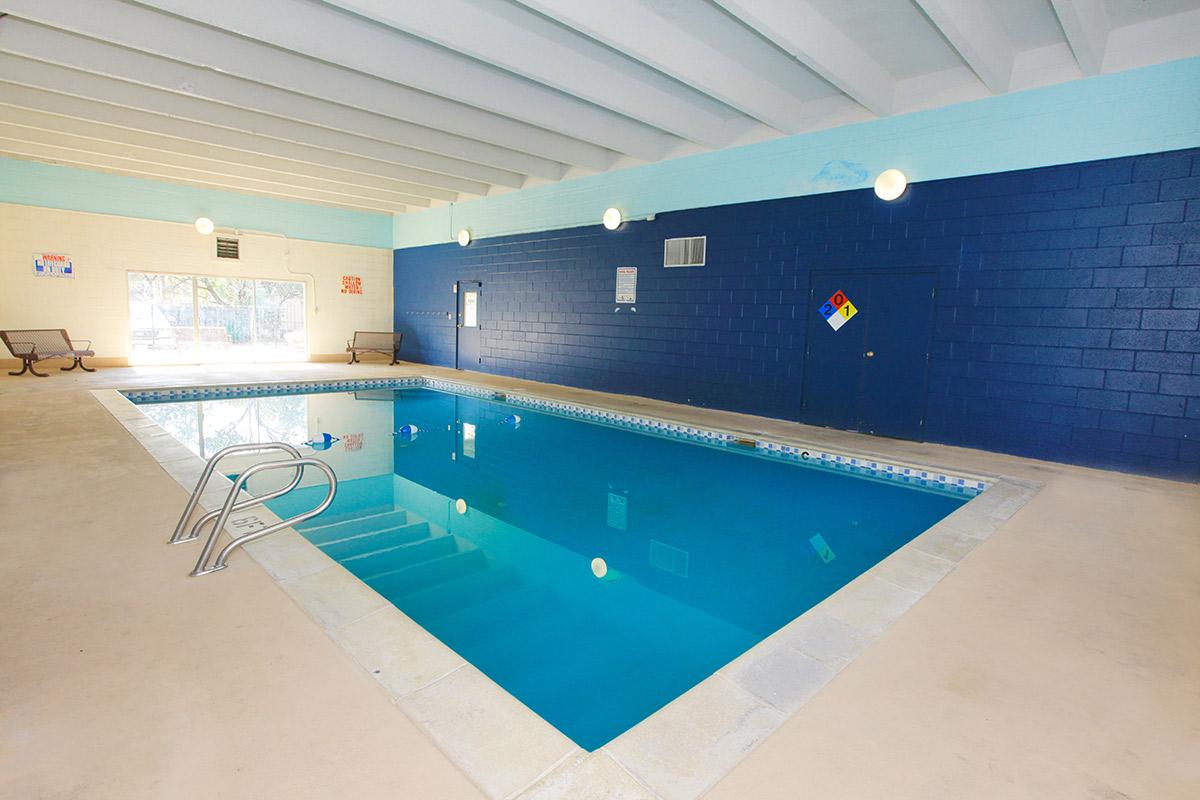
x,y
897,35
396,105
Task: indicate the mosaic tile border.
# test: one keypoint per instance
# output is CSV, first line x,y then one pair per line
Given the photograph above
x,y
180,393
812,456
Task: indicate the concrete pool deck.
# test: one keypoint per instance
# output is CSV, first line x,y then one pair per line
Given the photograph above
x,y
1058,659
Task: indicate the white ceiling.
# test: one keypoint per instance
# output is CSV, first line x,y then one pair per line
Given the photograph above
x,y
393,106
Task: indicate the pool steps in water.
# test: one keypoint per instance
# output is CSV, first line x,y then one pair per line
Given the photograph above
x,y
378,544
339,513
400,554
462,594
433,574
353,528
424,574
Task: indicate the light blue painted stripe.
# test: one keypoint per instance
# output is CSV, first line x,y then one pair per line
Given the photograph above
x,y
54,186
1145,110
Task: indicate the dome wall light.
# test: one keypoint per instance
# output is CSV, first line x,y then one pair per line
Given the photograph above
x,y
204,226
460,506
464,237
612,218
599,567
890,184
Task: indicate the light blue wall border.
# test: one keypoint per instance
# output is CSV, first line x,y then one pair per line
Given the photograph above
x,y
1145,110
54,186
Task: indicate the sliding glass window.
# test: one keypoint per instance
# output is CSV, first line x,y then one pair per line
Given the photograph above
x,y
197,319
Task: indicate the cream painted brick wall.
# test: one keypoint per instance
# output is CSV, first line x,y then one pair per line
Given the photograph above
x,y
94,305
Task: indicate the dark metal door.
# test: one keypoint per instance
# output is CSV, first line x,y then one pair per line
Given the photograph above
x,y
469,299
868,370
896,355
833,361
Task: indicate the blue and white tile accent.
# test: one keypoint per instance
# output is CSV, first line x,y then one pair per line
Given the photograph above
x,y
810,456
183,393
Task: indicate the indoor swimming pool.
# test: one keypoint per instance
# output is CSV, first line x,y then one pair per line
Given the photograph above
x,y
596,567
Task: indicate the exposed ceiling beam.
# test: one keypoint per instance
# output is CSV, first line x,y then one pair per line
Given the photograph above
x,y
973,29
150,31
516,39
187,130
17,69
220,155
320,31
796,27
702,48
71,50
92,161
1085,22
1153,41
160,158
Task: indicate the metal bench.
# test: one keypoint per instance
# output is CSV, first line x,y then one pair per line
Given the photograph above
x,y
382,342
32,346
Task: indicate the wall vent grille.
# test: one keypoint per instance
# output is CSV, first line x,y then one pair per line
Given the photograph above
x,y
688,251
227,248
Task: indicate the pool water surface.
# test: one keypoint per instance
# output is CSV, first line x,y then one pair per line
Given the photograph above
x,y
593,572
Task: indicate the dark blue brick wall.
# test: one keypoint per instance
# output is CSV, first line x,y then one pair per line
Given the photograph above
x,y
1067,318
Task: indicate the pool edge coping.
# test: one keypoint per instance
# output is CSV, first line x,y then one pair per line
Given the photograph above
x,y
660,753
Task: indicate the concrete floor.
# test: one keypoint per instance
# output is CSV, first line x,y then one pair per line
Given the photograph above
x,y
1059,660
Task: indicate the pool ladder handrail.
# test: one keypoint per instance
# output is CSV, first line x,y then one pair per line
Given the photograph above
x,y
178,536
232,504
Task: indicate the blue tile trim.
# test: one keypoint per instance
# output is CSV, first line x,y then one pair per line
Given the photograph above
x,y
855,464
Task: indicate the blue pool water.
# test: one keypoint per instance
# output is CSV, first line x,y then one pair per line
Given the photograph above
x,y
597,573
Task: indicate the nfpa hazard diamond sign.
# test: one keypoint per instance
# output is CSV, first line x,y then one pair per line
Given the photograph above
x,y
838,310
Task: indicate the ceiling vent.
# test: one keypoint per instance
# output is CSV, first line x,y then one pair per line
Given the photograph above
x,y
685,252
227,248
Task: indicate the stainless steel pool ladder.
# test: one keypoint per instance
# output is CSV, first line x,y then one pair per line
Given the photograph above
x,y
231,504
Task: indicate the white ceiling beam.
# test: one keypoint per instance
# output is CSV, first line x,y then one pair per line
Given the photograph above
x,y
71,50
1153,41
144,29
186,130
161,158
1085,22
222,155
710,53
521,41
798,28
320,31
973,29
91,161
18,69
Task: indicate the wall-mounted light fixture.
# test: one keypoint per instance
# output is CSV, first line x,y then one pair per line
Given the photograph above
x,y
204,226
464,237
890,184
612,218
